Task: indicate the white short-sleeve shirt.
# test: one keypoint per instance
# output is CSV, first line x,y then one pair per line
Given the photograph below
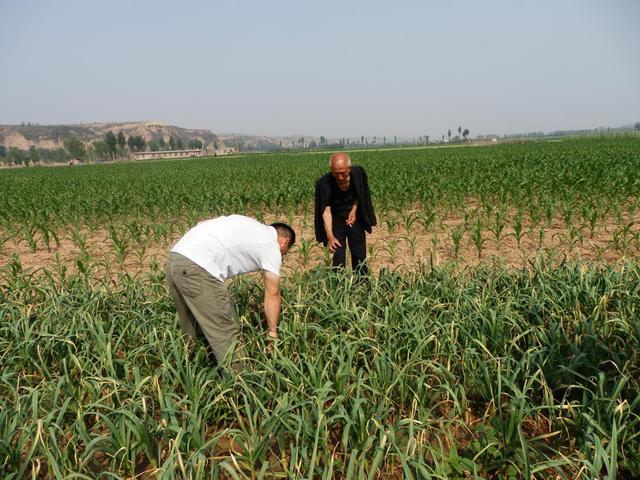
x,y
230,246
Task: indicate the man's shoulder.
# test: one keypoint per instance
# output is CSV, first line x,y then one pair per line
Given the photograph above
x,y
324,179
358,173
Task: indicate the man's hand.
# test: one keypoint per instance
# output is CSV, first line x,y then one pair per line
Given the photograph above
x,y
351,219
334,244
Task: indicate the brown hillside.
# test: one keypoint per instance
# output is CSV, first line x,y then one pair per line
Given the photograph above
x,y
53,136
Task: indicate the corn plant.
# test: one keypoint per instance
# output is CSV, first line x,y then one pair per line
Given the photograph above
x,y
306,247
456,237
518,230
477,237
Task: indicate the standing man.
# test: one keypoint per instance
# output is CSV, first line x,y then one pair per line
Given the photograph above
x,y
343,211
210,253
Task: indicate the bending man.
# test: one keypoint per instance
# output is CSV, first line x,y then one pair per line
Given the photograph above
x,y
212,252
343,211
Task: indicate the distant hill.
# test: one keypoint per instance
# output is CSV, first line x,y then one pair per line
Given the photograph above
x,y
53,136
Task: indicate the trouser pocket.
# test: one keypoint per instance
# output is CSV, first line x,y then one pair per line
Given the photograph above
x,y
188,278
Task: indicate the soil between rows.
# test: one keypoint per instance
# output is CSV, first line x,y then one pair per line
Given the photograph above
x,y
395,248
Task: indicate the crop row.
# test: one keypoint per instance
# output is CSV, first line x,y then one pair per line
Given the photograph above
x,y
586,178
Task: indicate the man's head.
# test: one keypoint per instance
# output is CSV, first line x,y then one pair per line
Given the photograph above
x,y
286,236
340,164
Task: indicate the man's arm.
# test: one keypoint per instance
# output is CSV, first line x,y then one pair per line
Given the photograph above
x,y
368,208
334,244
320,201
272,302
351,219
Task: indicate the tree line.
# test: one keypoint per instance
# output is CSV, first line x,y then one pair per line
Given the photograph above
x,y
112,146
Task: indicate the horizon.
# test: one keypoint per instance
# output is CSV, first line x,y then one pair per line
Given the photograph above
x,y
401,138
332,70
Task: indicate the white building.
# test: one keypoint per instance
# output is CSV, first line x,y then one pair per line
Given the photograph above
x,y
167,154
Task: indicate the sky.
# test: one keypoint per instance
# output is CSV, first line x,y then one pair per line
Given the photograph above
x,y
332,68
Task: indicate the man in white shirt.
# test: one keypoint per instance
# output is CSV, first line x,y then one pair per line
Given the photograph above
x,y
212,252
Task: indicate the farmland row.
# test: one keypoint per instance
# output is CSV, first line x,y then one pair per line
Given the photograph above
x,y
400,241
586,179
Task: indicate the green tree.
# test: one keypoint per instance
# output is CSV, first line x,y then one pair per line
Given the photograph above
x,y
465,133
34,155
136,143
121,140
112,142
449,134
195,143
101,150
172,143
140,143
14,156
75,148
179,144
3,151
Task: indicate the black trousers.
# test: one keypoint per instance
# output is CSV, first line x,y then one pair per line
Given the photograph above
x,y
355,236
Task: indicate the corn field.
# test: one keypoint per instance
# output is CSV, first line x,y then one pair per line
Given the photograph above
x,y
497,338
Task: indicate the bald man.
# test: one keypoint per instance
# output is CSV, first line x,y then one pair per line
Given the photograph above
x,y
344,212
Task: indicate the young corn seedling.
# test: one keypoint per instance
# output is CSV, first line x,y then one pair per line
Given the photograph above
x,y
476,236
120,241
306,246
456,237
372,253
622,237
518,230
426,219
391,248
391,222
412,243
498,226
409,219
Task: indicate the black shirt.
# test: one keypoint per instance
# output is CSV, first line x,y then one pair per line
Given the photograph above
x,y
365,214
341,201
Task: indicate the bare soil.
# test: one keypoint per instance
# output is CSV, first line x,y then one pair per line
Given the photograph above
x,y
389,246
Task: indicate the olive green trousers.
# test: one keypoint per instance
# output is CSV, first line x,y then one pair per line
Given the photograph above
x,y
203,304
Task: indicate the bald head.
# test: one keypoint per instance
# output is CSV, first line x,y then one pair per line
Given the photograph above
x,y
339,160
341,169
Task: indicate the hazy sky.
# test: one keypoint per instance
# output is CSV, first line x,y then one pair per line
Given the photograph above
x,y
332,68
